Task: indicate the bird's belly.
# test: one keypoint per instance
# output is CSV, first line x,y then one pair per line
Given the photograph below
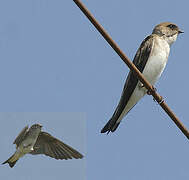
x,y
26,146
154,68
151,72
23,150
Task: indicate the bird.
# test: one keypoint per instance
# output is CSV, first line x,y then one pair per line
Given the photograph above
x,y
34,141
150,59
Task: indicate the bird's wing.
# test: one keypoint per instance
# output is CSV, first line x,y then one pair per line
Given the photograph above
x,y
50,146
139,61
20,137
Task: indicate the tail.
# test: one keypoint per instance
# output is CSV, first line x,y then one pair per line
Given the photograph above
x,y
111,125
11,161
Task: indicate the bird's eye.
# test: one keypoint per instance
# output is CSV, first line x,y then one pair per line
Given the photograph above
x,y
172,26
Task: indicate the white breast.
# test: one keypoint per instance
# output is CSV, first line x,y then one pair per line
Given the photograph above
x,y
157,60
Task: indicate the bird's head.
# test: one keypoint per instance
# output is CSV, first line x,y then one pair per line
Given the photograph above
x,y
36,126
167,30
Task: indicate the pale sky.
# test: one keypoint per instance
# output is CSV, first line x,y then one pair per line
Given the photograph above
x,y
54,60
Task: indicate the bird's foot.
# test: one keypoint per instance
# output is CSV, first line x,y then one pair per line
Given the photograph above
x,y
141,85
149,92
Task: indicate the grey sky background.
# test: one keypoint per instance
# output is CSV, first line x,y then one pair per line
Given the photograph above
x,y
53,59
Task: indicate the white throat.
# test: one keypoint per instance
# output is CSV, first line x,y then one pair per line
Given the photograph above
x,y
171,39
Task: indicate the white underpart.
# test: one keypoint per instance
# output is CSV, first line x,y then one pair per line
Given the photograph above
x,y
152,71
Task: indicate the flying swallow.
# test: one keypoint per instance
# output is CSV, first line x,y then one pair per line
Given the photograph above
x,y
34,141
150,59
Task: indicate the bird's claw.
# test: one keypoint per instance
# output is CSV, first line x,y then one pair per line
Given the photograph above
x,y
149,92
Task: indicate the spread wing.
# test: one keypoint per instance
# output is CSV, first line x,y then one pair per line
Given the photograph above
x,y
50,146
20,137
139,61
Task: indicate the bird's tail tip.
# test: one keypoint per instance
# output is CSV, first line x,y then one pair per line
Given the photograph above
x,y
11,164
111,126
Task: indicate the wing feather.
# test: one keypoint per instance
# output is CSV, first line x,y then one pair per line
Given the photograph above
x,y
51,146
21,136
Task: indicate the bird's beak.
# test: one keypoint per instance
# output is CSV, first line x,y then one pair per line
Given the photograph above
x,y
180,31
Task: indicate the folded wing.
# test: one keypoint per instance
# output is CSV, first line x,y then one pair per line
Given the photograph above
x,y
21,136
139,61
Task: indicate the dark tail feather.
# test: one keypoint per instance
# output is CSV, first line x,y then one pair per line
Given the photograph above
x,y
11,164
110,126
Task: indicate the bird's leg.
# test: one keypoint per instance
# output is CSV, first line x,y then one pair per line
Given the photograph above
x,y
149,92
140,85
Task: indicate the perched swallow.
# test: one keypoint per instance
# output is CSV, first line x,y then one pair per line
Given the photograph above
x,y
34,141
150,59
